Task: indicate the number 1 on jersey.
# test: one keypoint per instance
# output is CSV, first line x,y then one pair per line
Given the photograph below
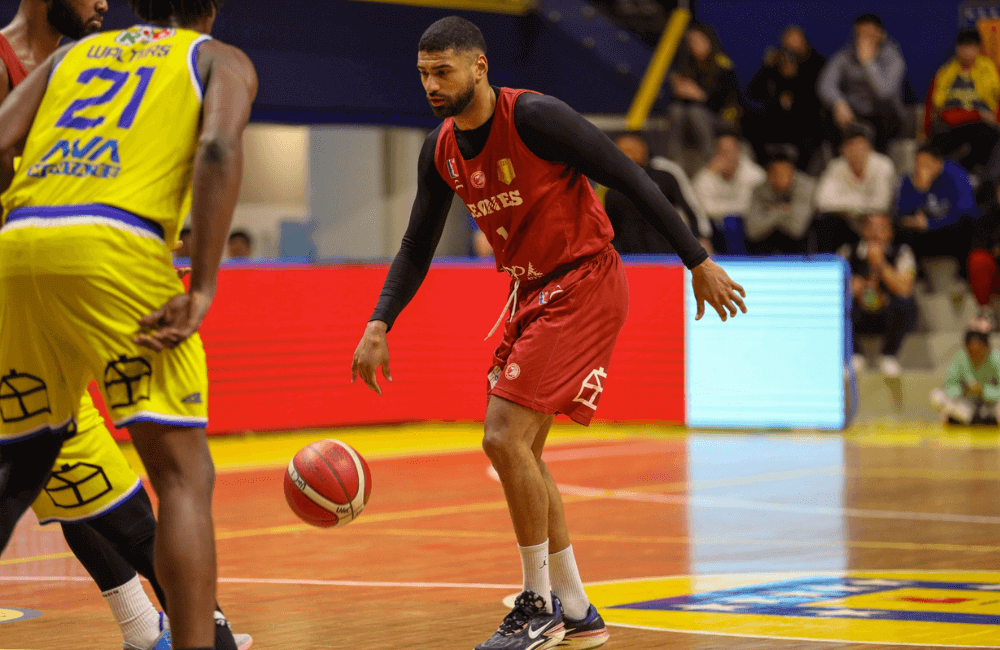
x,y
118,79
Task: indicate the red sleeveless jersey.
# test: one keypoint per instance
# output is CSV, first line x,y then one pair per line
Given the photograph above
x,y
15,69
536,222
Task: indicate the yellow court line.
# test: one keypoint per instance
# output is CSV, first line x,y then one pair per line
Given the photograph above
x,y
36,558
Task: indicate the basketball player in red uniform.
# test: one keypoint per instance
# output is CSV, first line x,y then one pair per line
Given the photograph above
x,y
117,543
514,157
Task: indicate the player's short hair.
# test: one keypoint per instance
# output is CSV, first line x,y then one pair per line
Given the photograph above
x,y
241,234
184,11
452,33
969,37
869,19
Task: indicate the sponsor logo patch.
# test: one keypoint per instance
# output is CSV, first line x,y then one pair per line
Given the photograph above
x,y
478,179
513,371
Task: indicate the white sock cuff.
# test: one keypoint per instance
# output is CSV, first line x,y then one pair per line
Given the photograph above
x,y
537,548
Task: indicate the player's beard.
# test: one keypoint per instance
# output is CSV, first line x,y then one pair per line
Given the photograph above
x,y
456,106
66,21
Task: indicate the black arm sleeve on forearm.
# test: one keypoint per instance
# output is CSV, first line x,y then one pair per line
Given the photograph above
x,y
427,219
555,132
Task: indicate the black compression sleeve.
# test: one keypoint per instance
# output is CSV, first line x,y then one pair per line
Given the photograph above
x,y
555,132
427,219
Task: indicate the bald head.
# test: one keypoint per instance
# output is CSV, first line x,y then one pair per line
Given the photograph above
x,y
635,148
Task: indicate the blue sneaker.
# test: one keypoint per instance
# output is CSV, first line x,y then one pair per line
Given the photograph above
x,y
528,626
162,643
587,633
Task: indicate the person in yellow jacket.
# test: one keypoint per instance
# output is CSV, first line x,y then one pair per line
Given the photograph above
x,y
963,103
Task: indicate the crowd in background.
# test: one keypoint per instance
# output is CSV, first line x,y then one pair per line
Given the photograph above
x,y
826,155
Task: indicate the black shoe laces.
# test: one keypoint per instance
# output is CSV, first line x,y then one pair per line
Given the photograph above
x,y
525,607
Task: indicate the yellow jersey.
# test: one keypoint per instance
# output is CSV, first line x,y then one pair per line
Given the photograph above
x,y
115,136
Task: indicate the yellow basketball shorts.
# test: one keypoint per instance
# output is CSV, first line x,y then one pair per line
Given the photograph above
x,y
91,476
74,285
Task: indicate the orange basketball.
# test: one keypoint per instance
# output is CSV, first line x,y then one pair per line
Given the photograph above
x,y
327,484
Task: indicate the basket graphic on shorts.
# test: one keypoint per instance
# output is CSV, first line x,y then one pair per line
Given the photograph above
x,y
77,485
126,381
22,396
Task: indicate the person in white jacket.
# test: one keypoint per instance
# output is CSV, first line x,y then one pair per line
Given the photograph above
x,y
858,183
724,188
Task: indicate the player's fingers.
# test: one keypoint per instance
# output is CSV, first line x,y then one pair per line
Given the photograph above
x,y
739,288
152,319
372,382
721,310
701,308
148,342
354,370
183,272
385,369
739,301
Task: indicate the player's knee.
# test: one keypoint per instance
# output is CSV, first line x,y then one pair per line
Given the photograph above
x,y
194,473
497,444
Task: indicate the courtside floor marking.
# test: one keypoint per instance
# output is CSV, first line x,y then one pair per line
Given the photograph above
x,y
293,582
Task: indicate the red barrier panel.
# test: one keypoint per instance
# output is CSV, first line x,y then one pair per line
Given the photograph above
x,y
280,341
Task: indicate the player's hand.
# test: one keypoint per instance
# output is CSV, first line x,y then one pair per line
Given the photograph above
x,y
372,352
713,285
174,322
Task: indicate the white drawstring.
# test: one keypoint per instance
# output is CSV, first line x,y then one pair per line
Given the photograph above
x,y
511,305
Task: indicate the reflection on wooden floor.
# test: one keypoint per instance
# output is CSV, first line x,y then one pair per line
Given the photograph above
x,y
686,540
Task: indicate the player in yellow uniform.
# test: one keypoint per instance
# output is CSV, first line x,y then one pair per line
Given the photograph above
x,y
120,127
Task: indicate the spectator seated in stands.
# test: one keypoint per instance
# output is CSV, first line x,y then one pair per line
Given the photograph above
x,y
240,245
859,182
984,273
864,81
785,89
705,95
972,388
936,207
633,233
781,208
882,279
963,102
724,188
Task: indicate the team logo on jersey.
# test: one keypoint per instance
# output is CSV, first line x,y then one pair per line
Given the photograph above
x,y
495,203
22,396
77,485
126,380
11,614
512,372
960,609
452,170
505,171
478,179
592,388
144,34
94,158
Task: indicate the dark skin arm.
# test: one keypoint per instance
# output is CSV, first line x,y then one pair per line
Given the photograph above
x,y
230,88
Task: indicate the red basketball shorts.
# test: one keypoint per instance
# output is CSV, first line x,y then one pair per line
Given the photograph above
x,y
555,353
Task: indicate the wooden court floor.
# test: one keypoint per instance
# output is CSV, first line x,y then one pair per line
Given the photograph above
x,y
692,540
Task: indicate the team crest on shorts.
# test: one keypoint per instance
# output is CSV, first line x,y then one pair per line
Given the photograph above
x,y
478,179
512,372
12,614
960,609
144,34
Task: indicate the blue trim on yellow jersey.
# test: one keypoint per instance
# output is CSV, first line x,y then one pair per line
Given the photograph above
x,y
85,210
194,64
134,490
194,423
41,431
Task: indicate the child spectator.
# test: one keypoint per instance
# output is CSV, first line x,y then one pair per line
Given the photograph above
x,y
781,208
972,387
705,94
864,81
724,188
240,245
963,102
882,279
859,182
936,206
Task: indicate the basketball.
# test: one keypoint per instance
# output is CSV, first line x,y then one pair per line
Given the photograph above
x,y
327,484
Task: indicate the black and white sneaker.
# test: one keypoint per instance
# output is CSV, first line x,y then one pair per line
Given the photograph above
x,y
587,633
528,626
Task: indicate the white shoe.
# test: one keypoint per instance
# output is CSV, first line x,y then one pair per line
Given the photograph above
x,y
890,367
859,362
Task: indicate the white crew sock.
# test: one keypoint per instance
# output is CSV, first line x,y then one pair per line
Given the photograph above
x,y
535,567
567,584
138,619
